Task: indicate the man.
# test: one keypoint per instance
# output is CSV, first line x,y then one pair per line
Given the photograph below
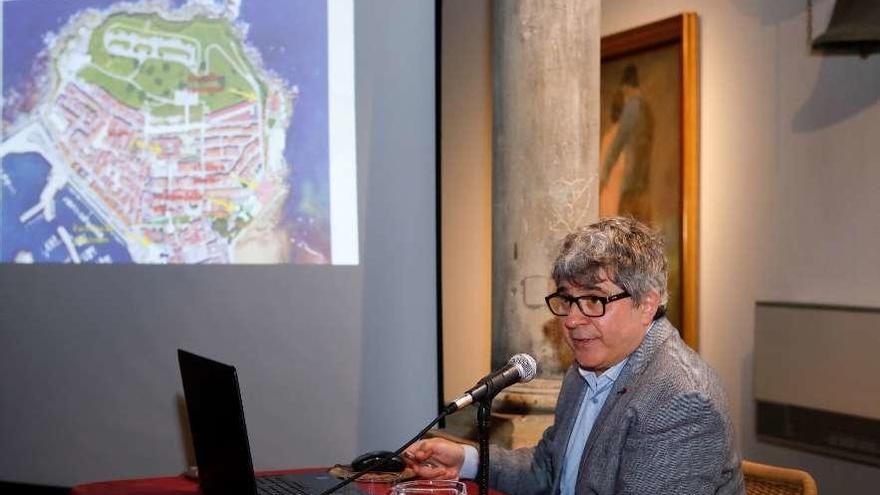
x,y
639,412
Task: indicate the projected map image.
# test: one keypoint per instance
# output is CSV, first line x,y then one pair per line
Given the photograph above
x,y
160,132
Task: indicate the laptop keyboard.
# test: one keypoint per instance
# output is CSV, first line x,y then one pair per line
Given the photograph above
x,y
277,485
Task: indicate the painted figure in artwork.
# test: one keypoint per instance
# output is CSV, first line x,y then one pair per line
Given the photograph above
x,y
609,198
625,153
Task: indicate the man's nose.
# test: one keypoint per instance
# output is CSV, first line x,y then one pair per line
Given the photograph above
x,y
574,318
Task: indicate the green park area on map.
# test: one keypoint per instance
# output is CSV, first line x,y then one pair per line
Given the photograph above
x,y
201,56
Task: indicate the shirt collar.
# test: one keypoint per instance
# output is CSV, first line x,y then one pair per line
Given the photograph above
x,y
610,375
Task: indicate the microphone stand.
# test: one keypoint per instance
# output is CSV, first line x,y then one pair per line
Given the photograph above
x,y
487,387
483,421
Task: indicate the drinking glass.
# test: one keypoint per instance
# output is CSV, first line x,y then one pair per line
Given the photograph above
x,y
429,487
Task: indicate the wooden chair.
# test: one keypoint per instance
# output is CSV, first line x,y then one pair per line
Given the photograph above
x,y
762,479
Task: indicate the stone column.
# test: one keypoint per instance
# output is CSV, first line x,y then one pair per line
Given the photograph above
x,y
544,181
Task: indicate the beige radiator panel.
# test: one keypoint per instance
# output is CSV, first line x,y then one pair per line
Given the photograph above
x,y
819,357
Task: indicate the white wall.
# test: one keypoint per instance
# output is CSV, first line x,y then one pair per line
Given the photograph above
x,y
466,191
790,168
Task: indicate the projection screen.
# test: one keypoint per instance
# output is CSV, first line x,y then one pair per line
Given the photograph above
x,y
178,132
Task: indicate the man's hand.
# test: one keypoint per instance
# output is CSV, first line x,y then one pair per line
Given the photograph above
x,y
435,459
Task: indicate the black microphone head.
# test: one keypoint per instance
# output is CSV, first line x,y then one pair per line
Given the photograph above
x,y
526,365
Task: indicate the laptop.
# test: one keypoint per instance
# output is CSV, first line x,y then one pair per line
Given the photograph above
x,y
223,454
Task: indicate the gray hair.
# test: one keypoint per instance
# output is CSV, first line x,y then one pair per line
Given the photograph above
x,y
630,252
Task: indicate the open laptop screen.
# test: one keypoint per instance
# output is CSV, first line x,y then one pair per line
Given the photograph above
x,y
216,418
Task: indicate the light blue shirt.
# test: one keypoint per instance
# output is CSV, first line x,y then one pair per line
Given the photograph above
x,y
594,398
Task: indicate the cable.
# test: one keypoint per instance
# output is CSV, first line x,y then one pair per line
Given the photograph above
x,y
383,461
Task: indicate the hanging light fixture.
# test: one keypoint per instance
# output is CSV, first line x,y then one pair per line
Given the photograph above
x,y
854,28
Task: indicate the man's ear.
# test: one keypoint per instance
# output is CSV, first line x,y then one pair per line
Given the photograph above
x,y
648,308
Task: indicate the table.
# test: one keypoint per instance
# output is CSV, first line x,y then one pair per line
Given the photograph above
x,y
181,485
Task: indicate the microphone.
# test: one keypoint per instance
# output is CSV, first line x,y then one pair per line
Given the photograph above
x,y
520,368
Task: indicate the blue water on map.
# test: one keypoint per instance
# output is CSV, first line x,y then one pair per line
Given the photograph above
x,y
24,24
292,39
24,176
291,36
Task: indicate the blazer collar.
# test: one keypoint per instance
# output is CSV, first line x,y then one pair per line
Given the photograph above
x,y
657,334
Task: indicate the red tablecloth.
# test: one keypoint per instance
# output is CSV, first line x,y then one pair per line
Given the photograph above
x,y
180,485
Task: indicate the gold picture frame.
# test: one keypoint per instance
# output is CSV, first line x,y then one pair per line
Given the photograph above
x,y
649,159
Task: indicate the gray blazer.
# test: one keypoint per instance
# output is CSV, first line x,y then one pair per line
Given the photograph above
x,y
664,429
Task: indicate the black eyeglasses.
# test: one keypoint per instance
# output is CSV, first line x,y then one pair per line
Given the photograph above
x,y
592,306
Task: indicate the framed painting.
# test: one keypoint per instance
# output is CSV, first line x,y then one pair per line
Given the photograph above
x,y
648,160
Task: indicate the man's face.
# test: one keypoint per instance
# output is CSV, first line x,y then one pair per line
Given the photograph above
x,y
601,342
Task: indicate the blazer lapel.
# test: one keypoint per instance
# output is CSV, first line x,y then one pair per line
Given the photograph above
x,y
629,378
570,405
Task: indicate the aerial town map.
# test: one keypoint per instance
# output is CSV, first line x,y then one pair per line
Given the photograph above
x,y
165,132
